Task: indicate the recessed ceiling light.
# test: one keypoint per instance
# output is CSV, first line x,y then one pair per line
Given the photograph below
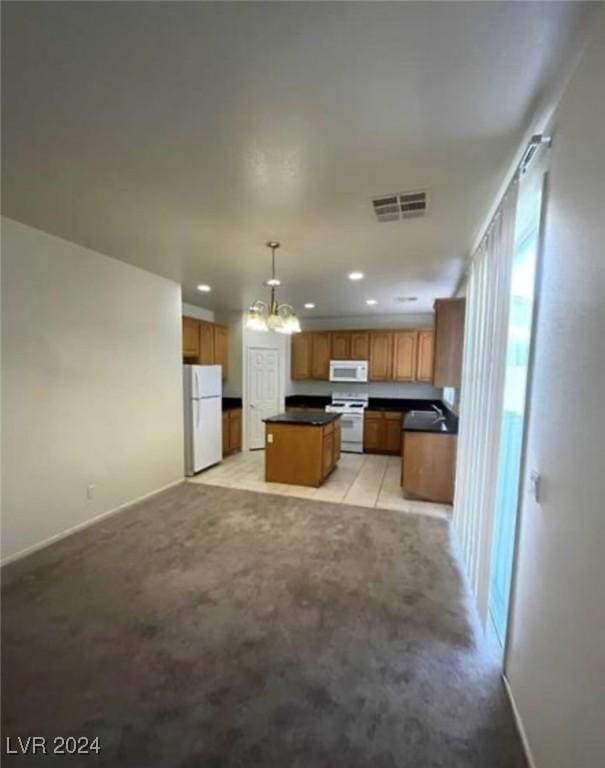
x,y
309,305
204,288
371,302
403,299
355,275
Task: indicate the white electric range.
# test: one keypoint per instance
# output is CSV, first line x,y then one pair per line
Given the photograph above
x,y
351,406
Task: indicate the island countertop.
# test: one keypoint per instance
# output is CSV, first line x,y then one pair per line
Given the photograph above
x,y
303,418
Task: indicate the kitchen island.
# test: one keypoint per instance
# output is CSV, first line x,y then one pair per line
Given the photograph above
x,y
301,447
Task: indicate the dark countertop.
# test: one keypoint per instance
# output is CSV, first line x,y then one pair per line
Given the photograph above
x,y
419,424
232,403
303,418
402,404
308,401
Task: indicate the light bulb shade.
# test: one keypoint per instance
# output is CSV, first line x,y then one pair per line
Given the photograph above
x,y
255,319
294,324
275,322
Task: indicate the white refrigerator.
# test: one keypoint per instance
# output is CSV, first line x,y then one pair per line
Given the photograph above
x,y
203,416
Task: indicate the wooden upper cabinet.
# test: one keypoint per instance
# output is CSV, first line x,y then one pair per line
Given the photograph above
x,y
301,356
341,345
360,345
191,338
449,342
320,355
381,355
206,354
424,367
221,348
404,355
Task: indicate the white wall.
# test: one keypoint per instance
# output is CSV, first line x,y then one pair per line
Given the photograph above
x,y
374,389
192,310
232,387
555,662
91,385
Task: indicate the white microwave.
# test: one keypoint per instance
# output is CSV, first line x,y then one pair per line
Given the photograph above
x,y
349,370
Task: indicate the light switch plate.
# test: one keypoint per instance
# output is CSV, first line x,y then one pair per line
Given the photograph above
x,y
269,438
534,485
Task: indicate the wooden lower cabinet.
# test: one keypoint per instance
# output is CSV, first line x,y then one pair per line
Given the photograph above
x,y
232,431
337,441
429,466
301,454
328,451
382,432
392,432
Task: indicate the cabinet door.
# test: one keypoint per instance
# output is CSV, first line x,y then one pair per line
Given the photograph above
x,y
404,355
191,338
381,355
392,429
449,340
206,356
225,433
429,462
328,453
235,430
301,356
337,440
221,348
424,367
320,355
360,345
341,345
373,432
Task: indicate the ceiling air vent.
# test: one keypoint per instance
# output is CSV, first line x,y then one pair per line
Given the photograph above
x,y
402,205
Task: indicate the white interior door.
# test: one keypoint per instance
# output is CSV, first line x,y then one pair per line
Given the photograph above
x,y
263,392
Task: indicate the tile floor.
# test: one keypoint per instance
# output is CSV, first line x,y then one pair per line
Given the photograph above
x,y
361,479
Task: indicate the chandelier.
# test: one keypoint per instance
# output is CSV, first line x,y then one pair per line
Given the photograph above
x,y
272,316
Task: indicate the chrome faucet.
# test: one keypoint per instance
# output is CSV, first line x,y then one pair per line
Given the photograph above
x,y
439,412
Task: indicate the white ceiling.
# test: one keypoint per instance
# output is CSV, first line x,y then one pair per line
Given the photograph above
x,y
181,136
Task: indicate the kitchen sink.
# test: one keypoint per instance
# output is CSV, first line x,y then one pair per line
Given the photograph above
x,y
424,415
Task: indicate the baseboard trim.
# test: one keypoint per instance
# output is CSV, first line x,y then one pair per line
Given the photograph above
x,y
86,524
519,723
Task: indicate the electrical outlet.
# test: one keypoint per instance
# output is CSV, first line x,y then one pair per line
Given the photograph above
x,y
534,485
90,491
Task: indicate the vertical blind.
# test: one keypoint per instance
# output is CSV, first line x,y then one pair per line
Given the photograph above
x,y
488,291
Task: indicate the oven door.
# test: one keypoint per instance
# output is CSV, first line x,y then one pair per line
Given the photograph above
x,y
351,425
